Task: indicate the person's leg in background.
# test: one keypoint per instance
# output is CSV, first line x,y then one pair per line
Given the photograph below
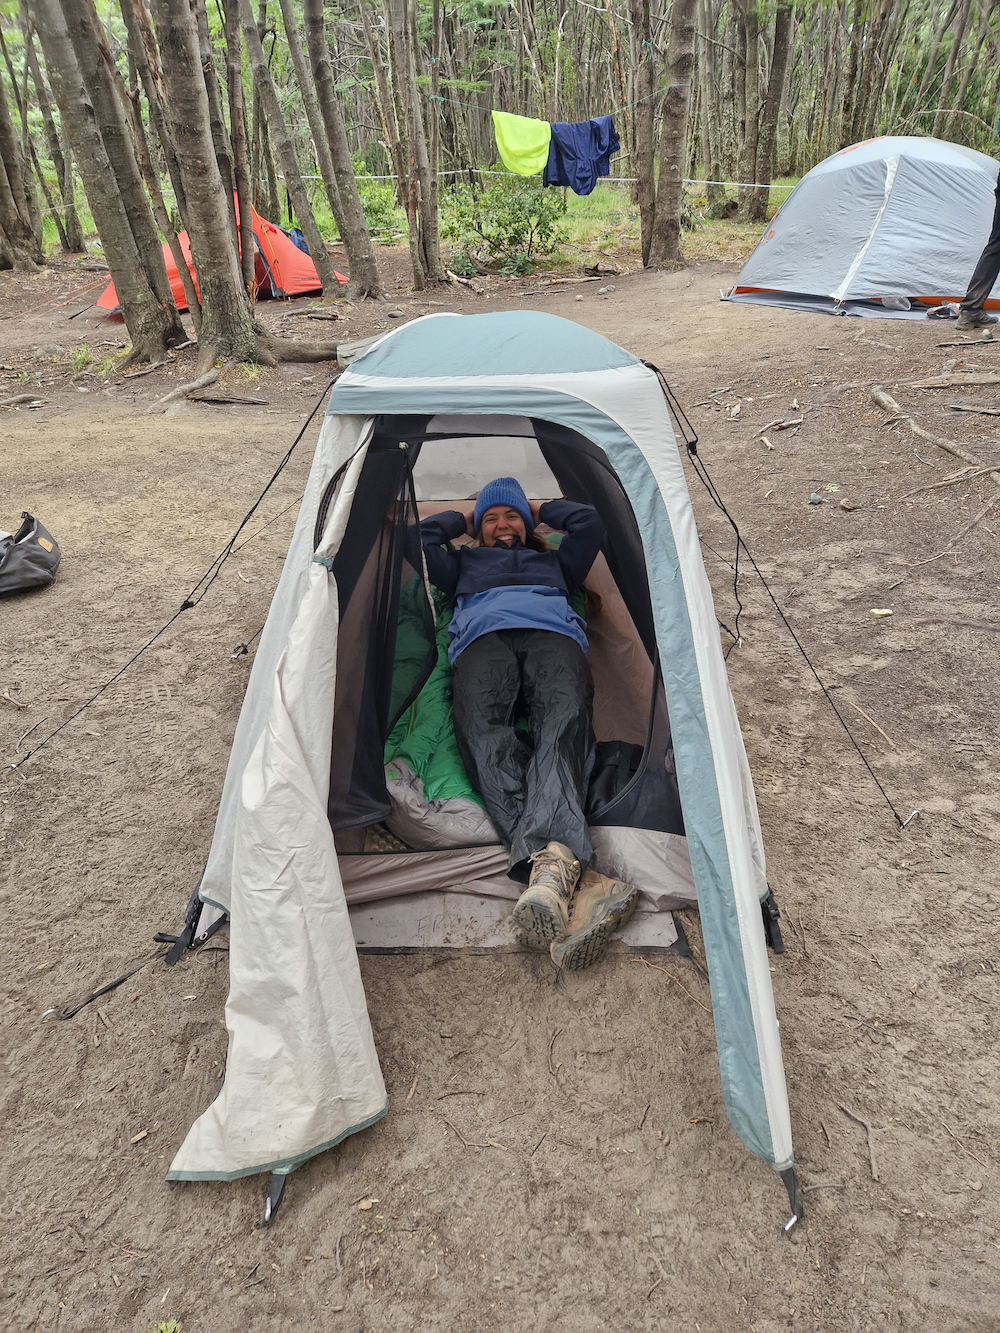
x,y
971,312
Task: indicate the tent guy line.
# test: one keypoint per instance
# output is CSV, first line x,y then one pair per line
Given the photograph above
x,y
211,574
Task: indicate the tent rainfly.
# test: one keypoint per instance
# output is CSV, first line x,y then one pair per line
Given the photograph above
x,y
327,751
282,269
889,227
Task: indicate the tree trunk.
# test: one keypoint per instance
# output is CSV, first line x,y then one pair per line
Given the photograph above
x,y
152,325
332,131
408,185
219,137
430,241
238,137
775,84
23,244
958,37
711,128
665,242
286,153
228,326
60,160
94,60
645,118
309,93
746,167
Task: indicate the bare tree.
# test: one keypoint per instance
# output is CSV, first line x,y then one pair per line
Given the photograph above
x,y
351,217
286,153
153,325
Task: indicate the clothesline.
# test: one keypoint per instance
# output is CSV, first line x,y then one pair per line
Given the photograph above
x,y
610,180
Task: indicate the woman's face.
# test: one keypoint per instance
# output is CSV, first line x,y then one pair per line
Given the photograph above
x,y
500,525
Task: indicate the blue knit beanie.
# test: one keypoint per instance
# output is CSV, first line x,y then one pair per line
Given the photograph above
x,y
505,491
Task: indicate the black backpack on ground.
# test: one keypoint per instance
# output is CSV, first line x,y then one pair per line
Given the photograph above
x,y
29,559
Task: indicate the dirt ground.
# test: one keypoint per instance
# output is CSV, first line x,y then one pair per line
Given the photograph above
x,y
556,1153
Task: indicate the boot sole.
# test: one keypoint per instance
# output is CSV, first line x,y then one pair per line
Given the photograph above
x,y
539,919
585,946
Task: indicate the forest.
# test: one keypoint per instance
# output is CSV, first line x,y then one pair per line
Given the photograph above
x,y
125,124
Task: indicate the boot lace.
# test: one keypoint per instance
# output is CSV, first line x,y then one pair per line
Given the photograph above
x,y
555,873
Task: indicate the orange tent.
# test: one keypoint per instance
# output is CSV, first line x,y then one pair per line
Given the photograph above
x,y
281,269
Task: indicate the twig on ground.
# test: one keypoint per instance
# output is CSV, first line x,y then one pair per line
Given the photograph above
x,y
644,1114
16,702
653,1287
657,968
227,399
963,1147
552,1042
805,947
964,624
826,1185
461,1092
42,719
462,1136
183,390
868,1129
138,374
538,1144
413,1088
871,720
829,1141
958,535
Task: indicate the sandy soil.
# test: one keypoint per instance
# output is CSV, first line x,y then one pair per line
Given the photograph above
x,y
556,1153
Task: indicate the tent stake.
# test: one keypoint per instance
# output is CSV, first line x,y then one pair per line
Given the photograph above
x,y
794,1196
273,1201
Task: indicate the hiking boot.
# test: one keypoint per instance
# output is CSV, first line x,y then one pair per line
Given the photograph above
x,y
543,908
976,319
601,907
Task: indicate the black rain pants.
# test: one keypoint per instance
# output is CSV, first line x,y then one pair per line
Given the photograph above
x,y
988,268
534,783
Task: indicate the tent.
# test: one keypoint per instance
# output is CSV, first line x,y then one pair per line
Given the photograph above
x,y
888,227
281,268
349,651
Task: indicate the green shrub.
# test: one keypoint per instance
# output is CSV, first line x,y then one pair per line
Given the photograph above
x,y
385,219
511,224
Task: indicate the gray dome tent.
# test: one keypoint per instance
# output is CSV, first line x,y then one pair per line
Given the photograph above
x,y
425,417
897,217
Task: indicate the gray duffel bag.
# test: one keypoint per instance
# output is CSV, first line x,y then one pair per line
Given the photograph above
x,y
29,558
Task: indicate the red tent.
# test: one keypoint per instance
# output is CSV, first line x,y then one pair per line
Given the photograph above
x,y
281,269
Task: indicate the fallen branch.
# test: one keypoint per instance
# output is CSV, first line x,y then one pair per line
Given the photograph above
x,y
481,291
138,374
19,400
966,474
239,400
183,390
888,404
16,702
951,381
42,719
868,1129
968,407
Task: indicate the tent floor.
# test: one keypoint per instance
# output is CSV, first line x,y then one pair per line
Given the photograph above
x,y
463,920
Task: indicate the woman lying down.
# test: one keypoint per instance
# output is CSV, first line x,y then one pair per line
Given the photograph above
x,y
517,649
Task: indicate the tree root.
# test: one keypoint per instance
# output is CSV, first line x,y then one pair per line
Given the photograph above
x,y
889,404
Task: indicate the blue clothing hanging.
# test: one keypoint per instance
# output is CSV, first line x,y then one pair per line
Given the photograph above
x,y
580,152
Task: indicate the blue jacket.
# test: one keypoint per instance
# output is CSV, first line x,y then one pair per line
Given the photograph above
x,y
499,587
580,152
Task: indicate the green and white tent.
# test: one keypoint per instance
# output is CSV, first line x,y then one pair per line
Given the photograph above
x,y
347,664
